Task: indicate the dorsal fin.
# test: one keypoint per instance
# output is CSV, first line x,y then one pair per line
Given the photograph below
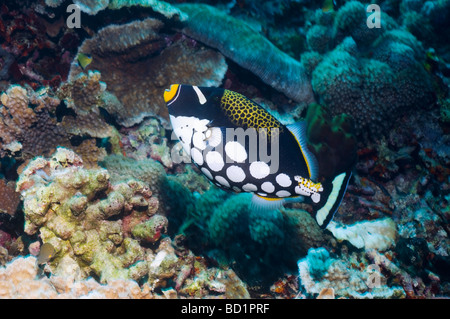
x,y
299,131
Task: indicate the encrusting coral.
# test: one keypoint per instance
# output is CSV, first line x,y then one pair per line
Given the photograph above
x,y
380,234
20,279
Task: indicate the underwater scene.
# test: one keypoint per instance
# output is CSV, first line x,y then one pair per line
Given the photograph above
x,y
224,149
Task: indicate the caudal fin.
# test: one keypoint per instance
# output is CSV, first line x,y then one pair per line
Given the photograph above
x,y
331,199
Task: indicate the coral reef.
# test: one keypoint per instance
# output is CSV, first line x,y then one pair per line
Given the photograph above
x,y
6,60
29,126
147,140
242,44
149,171
145,62
29,55
110,207
259,243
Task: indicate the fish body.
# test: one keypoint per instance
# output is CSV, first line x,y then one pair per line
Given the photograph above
x,y
45,254
331,5
240,146
84,60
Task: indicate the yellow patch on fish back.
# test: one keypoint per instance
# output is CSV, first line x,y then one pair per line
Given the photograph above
x,y
243,112
309,184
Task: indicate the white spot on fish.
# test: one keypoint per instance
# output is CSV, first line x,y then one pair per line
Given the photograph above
x,y
197,156
222,181
315,197
262,194
283,180
259,169
214,160
206,172
236,151
268,187
235,174
250,187
201,97
213,136
283,194
199,140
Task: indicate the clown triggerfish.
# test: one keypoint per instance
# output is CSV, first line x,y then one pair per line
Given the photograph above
x,y
240,146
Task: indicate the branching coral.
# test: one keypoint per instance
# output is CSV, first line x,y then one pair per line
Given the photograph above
x,y
145,63
242,44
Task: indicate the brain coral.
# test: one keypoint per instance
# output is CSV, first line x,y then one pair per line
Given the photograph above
x,y
142,64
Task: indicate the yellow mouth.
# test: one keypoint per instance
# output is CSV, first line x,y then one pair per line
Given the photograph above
x,y
169,94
